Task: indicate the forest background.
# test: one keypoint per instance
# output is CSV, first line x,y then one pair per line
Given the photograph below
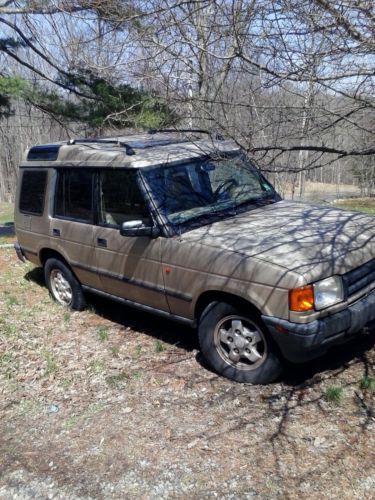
x,y
291,81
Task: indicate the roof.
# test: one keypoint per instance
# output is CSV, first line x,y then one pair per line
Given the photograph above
x,y
137,151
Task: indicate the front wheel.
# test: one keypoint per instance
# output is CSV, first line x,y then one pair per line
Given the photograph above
x,y
237,345
63,285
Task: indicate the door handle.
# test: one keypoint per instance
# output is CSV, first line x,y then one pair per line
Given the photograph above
x,y
101,242
56,232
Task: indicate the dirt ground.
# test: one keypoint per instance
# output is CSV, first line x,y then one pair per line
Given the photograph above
x,y
113,403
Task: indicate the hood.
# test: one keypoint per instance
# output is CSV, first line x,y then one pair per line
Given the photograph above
x,y
314,241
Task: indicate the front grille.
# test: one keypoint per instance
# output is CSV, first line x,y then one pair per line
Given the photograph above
x,y
359,278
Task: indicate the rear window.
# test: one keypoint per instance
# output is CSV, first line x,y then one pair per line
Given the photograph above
x,y
32,192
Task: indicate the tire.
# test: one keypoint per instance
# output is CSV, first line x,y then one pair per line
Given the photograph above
x,y
63,285
237,345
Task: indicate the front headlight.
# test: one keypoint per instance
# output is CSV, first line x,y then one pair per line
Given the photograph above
x,y
322,294
328,292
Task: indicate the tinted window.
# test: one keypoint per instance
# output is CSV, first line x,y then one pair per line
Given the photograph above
x,y
32,192
74,195
121,198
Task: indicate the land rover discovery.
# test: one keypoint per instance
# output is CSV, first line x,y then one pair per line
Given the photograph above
x,y
184,226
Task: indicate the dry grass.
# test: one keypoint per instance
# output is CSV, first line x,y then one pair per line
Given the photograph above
x,y
321,187
321,191
111,403
366,205
6,223
6,213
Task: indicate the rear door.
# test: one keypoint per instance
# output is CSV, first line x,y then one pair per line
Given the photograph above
x,y
72,223
129,267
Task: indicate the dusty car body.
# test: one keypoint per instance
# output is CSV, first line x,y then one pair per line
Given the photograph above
x,y
187,228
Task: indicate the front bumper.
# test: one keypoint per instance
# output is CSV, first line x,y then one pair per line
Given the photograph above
x,y
302,342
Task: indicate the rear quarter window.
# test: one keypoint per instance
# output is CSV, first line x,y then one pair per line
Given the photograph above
x,y
33,188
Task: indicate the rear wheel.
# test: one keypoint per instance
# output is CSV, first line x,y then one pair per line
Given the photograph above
x,y
237,345
63,285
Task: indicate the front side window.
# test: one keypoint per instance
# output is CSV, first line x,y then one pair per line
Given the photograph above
x,y
74,193
207,189
33,188
120,198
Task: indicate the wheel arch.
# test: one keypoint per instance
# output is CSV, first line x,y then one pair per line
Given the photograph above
x,y
208,297
49,253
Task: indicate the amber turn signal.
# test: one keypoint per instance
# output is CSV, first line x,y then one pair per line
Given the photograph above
x,y
301,299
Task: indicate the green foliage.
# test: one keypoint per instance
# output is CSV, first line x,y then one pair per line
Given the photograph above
x,y
12,85
334,394
106,104
95,101
9,87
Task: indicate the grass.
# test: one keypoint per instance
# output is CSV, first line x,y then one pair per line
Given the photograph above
x,y
7,220
115,350
103,333
7,365
97,366
137,351
6,213
159,346
116,381
11,300
367,384
70,422
51,367
366,205
334,394
66,316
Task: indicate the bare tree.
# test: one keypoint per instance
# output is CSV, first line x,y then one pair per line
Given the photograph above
x,y
291,81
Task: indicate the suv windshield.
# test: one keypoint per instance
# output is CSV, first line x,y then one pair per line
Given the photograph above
x,y
203,188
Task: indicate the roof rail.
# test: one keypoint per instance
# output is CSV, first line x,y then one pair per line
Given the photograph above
x,y
215,135
129,150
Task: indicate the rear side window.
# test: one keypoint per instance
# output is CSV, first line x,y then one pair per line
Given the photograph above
x,y
33,188
74,195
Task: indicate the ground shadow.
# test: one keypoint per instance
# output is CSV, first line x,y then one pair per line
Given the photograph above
x,y
176,334
155,326
337,357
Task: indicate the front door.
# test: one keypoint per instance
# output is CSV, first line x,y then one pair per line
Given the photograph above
x,y
128,267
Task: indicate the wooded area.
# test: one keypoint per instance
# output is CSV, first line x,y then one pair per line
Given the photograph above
x,y
291,81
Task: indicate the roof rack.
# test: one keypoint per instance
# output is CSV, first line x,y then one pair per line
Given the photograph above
x,y
128,149
216,136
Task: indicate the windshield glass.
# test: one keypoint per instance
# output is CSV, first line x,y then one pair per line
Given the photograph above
x,y
204,188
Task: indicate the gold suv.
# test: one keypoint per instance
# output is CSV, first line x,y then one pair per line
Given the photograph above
x,y
184,226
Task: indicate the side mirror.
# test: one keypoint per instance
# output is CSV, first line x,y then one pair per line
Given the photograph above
x,y
137,228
